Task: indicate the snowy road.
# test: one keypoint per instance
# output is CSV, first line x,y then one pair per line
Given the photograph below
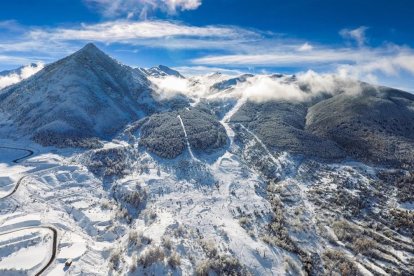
x,y
52,229
54,250
15,188
29,153
54,243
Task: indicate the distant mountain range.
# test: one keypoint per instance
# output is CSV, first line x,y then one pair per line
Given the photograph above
x,y
88,95
161,71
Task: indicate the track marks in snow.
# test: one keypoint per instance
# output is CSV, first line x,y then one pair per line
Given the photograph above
x,y
275,161
226,119
186,138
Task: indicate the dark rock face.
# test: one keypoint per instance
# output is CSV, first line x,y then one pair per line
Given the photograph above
x,y
163,134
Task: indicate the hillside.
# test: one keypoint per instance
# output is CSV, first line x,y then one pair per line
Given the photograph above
x,y
85,95
376,125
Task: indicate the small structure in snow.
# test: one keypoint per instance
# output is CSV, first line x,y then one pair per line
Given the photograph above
x,y
68,262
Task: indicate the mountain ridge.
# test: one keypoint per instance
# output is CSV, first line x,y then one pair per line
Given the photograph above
x,y
86,94
90,95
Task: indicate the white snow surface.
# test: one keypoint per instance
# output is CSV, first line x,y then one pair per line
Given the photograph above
x,y
206,199
186,137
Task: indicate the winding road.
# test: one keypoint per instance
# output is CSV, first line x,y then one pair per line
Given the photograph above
x,y
29,153
15,188
52,229
54,251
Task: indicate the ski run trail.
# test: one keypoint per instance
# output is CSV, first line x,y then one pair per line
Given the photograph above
x,y
275,161
226,119
186,138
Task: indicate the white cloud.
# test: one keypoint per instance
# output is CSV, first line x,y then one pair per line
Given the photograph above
x,y
357,34
305,47
170,86
195,87
174,5
262,88
48,44
369,64
259,88
228,47
23,73
286,58
328,83
390,63
131,8
10,25
132,32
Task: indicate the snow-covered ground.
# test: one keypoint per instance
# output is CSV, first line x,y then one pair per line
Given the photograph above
x,y
195,204
210,200
54,194
27,249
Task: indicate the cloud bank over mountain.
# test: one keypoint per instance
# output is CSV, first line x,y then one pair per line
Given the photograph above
x,y
15,76
260,88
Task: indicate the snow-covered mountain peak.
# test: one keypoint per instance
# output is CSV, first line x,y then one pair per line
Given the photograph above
x,y
90,50
162,71
90,55
90,47
87,94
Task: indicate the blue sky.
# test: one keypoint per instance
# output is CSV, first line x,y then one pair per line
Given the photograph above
x,y
365,39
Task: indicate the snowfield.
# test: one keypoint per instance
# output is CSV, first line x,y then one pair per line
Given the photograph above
x,y
53,195
197,206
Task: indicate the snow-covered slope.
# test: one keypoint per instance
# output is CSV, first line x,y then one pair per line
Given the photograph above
x,y
161,71
87,94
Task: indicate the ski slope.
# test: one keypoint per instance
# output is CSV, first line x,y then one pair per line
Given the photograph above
x,y
186,138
